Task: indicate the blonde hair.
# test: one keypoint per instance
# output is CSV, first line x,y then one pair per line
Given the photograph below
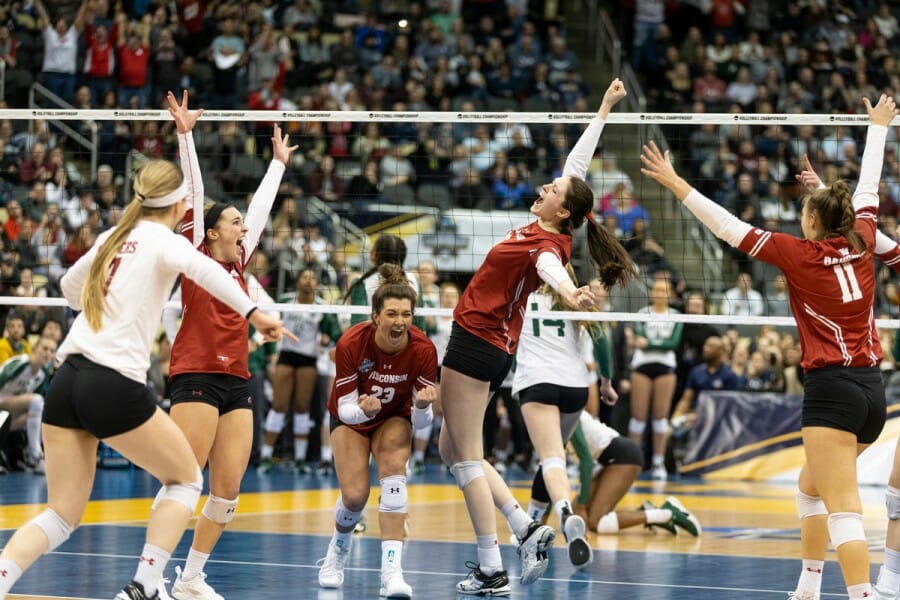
x,y
156,178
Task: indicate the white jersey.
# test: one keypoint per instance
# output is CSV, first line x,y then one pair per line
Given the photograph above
x,y
597,434
16,377
372,282
140,281
306,326
548,350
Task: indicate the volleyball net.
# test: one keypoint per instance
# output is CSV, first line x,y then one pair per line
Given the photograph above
x,y
450,184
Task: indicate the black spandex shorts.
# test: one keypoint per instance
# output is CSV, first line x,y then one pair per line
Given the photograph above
x,y
621,451
654,370
474,357
100,400
296,360
225,392
567,399
845,398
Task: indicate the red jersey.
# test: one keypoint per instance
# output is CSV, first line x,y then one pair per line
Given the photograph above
x,y
832,291
363,368
133,66
212,337
100,61
493,305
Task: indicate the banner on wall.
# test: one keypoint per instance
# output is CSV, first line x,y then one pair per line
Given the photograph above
x,y
756,436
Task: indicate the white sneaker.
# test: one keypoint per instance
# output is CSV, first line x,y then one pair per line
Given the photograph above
x,y
195,588
163,593
533,552
574,528
659,473
393,585
803,595
331,568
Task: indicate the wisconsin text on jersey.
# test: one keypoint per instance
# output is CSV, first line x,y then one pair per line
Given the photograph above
x,y
388,378
845,257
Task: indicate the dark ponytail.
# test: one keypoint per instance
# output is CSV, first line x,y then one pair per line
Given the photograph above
x,y
614,265
394,284
387,248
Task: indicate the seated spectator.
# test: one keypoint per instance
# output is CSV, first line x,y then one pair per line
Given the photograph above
x,y
15,216
472,193
396,168
627,210
708,88
366,186
762,376
324,182
510,192
35,203
14,340
713,374
37,167
777,302
371,144
742,300
742,90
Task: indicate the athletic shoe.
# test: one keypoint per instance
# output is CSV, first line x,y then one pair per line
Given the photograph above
x,y
393,585
33,464
804,595
574,528
681,517
532,551
264,466
881,592
302,467
331,568
360,525
659,473
134,591
479,584
323,469
668,525
161,591
414,467
195,588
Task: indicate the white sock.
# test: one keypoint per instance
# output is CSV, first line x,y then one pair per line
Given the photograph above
x,y
889,576
658,460
561,505
811,576
608,523
419,455
859,591
658,515
194,564
342,540
391,554
9,575
266,451
489,554
300,446
536,509
326,453
151,567
517,518
33,426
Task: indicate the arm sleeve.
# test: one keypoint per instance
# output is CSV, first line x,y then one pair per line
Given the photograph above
x,y
207,273
887,251
722,223
579,158
170,316
866,194
585,464
602,352
421,417
192,228
551,270
345,385
260,206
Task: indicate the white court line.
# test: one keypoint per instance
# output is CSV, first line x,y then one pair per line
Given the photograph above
x,y
566,580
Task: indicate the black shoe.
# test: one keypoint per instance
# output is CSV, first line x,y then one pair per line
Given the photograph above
x,y
479,584
135,591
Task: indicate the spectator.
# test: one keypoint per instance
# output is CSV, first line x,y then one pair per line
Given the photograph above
x,y
472,193
560,60
100,62
166,58
366,186
708,88
625,207
713,374
37,168
228,54
14,341
742,300
60,50
777,301
134,62
510,192
13,224
324,181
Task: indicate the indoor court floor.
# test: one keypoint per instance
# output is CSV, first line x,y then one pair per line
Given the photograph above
x,y
747,551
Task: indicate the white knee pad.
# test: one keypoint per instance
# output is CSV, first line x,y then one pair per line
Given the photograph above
x,y
553,462
636,427
892,501
302,424
344,517
809,506
467,470
219,510
394,497
186,494
660,426
845,527
274,422
54,527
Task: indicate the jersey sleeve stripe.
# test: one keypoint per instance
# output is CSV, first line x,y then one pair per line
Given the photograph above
x,y
765,237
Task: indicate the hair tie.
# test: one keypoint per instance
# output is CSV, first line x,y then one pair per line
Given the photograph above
x,y
213,214
590,216
140,197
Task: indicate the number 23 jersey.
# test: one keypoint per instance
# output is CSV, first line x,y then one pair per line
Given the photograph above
x,y
363,368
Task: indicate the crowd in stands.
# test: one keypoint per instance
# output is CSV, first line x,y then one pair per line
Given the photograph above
x,y
459,55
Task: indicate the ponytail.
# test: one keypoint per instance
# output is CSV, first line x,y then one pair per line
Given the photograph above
x,y
387,248
834,207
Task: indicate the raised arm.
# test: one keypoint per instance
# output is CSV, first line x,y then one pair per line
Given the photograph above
x,y
261,204
190,165
880,116
579,158
43,17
